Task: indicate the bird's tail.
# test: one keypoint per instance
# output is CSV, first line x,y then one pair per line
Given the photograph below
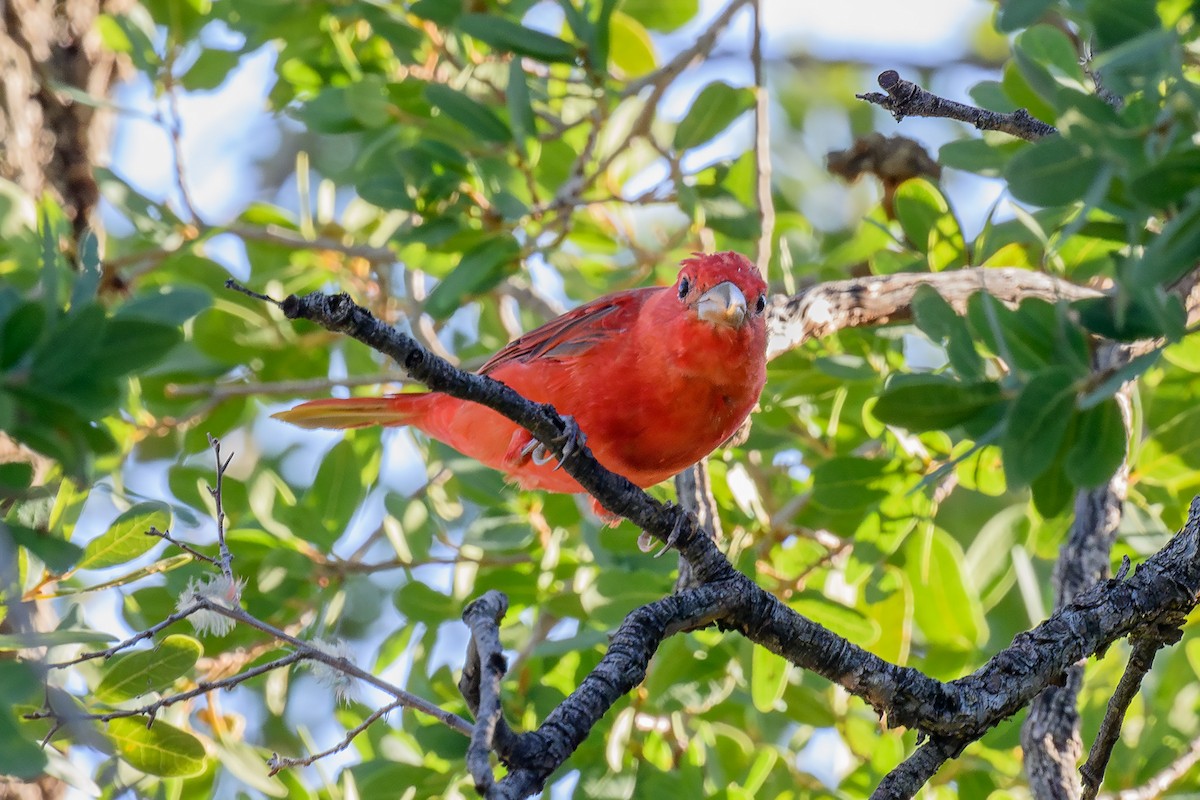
x,y
358,412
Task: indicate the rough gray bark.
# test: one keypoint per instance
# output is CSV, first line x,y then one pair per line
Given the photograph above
x,y
1160,592
51,141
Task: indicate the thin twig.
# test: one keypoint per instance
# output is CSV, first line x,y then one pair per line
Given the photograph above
x,y
762,149
151,710
344,665
173,124
127,643
226,557
1165,778
184,546
276,762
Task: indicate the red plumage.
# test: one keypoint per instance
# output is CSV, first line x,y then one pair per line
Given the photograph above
x,y
656,378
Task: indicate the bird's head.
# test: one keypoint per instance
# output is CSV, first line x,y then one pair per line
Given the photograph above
x,y
723,289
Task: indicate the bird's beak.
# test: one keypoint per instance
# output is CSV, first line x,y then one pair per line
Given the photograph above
x,y
723,304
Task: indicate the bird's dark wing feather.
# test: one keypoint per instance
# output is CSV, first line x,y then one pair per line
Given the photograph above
x,y
575,332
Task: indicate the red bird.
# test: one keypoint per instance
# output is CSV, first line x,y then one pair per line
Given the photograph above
x,y
655,378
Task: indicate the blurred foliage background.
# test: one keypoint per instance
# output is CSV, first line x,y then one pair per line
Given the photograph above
x,y
468,170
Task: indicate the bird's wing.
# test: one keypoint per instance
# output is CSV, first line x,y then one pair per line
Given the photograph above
x,y
575,332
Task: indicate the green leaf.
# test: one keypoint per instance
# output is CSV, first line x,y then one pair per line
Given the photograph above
x,y
942,324
1099,446
20,331
768,678
520,108
159,567
1029,337
369,103
22,641
126,538
420,603
161,749
1016,14
1049,62
848,483
925,217
131,345
15,476
1168,181
631,49
477,118
167,305
331,501
1051,172
133,674
659,16
1052,490
84,289
713,110
479,269
19,757
1116,380
934,402
1123,316
440,12
210,69
70,349
1118,21
1174,251
58,555
947,608
849,623
978,155
508,36
919,206
1036,424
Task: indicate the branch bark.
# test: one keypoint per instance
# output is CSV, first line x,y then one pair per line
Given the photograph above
x,y
907,99
1160,592
826,308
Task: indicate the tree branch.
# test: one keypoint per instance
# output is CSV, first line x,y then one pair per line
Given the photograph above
x,y
1140,661
826,308
906,99
1161,590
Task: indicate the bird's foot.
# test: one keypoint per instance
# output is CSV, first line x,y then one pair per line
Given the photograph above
x,y
646,542
572,439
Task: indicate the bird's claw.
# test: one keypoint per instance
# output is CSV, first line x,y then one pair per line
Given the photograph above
x,y
572,439
646,541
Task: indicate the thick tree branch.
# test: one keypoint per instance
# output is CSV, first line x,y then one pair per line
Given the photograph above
x,y
880,299
906,99
1161,590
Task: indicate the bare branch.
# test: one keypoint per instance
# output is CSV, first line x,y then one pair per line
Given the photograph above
x,y
308,651
762,149
276,762
881,299
916,770
1162,781
906,99
480,682
958,712
225,560
1140,661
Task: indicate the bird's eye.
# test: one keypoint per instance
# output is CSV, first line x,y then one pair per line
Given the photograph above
x,y
684,286
761,305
